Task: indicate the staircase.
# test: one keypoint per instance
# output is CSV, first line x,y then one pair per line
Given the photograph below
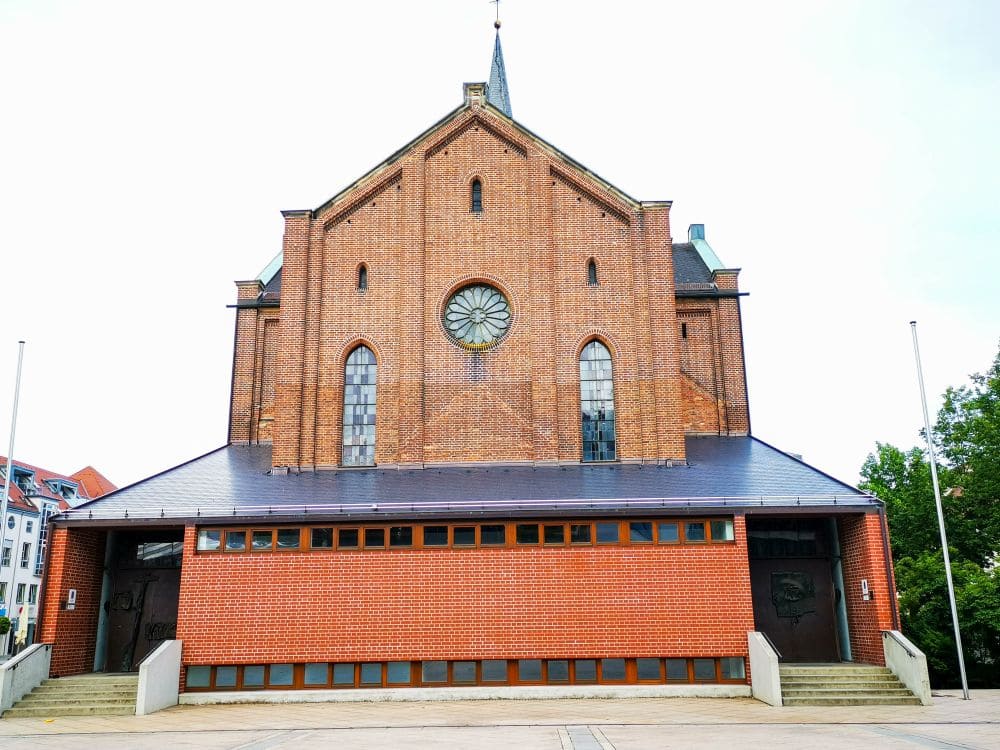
x,y
842,685
85,695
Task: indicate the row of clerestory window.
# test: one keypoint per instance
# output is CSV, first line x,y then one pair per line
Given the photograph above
x,y
362,278
597,406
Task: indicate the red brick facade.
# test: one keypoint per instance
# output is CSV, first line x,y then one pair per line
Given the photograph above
x,y
863,550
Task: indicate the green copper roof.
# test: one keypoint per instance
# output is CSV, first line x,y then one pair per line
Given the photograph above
x,y
497,92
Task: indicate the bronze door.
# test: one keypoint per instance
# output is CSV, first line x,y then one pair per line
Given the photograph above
x,y
142,608
793,603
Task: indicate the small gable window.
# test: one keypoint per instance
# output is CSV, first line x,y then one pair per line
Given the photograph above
x,y
591,272
477,197
362,277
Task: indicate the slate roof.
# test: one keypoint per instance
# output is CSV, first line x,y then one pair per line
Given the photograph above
x,y
234,482
689,268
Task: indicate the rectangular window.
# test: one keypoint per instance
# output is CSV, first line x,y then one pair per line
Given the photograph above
x,y
32,593
649,669
733,668
289,538
374,538
225,677
321,539
433,671
347,538
640,532
236,541
613,670
579,533
465,536
722,531
262,541
677,670
435,536
704,670
3,591
253,675
527,533
586,670
529,670
558,670
20,594
668,533
492,534
607,533
398,673
208,540
371,674
401,536
343,675
554,534
694,531
463,672
280,675
316,674
494,670
199,677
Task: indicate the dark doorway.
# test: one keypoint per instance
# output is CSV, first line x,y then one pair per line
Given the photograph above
x,y
145,587
791,580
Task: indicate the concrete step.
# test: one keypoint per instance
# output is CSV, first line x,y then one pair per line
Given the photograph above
x,y
847,687
838,679
77,690
831,669
93,682
848,700
19,712
33,700
833,692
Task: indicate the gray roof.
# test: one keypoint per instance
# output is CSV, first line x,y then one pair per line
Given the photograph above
x,y
234,482
689,268
497,92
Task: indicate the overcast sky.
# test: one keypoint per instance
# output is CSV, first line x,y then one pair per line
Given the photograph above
x,y
843,154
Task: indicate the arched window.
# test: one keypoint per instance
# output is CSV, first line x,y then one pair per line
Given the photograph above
x,y
597,403
591,272
362,277
477,197
359,408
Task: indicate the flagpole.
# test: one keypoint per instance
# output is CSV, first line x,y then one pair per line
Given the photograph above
x,y
10,459
940,513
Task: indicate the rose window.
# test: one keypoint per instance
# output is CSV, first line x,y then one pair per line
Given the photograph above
x,y
477,316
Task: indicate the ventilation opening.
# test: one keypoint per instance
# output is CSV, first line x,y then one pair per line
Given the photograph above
x,y
684,330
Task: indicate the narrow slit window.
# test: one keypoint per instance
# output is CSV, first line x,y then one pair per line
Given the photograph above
x,y
477,197
591,272
360,374
362,277
597,403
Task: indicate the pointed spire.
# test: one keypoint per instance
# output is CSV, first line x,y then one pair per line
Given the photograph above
x,y
497,93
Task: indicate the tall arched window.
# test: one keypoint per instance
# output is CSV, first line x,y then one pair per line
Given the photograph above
x,y
362,277
477,197
597,403
359,408
592,272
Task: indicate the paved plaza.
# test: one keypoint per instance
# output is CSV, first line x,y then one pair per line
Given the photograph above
x,y
612,724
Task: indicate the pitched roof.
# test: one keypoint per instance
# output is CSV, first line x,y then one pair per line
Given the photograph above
x,y
94,482
234,482
86,490
497,92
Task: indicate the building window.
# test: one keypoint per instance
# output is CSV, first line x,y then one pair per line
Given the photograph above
x,y
597,403
25,554
19,599
33,593
5,559
359,408
3,593
591,272
477,197
362,277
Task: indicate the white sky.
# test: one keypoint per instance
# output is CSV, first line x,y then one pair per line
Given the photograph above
x,y
843,154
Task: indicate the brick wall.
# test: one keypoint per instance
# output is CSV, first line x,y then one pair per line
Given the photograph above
x,y
411,225
475,603
75,561
864,558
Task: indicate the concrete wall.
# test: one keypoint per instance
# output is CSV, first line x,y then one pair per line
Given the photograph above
x,y
22,674
908,663
765,675
159,679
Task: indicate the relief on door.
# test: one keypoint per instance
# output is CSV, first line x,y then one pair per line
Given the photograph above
x,y
793,594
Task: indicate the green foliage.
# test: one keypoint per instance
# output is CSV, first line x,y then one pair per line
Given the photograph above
x,y
4,625
967,441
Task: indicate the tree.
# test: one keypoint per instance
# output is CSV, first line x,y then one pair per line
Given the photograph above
x,y
967,440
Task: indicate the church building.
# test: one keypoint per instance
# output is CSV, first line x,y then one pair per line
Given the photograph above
x,y
489,428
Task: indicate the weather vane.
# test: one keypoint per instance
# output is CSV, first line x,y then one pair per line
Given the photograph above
x,y
496,24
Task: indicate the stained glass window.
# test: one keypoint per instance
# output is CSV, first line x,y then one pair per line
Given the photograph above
x,y
477,316
597,403
359,408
